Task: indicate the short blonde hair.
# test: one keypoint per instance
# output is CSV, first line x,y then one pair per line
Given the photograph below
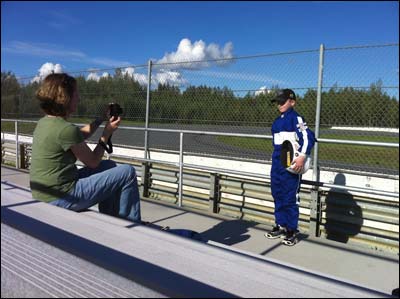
x,y
55,94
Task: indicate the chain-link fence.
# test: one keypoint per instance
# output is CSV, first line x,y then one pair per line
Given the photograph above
x,y
359,102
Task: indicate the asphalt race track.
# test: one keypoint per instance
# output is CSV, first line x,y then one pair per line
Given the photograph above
x,y
207,145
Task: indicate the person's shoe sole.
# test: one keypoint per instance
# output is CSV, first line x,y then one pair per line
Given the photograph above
x,y
289,243
268,236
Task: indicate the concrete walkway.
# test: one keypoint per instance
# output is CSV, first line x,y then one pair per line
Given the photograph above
x,y
377,271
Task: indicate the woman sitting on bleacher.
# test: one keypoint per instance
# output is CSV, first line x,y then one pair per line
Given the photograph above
x,y
57,144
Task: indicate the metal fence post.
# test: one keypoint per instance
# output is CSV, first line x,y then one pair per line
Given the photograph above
x,y
214,193
16,146
315,211
23,156
146,166
180,184
146,178
146,132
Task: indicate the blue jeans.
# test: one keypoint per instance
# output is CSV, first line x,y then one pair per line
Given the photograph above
x,y
113,187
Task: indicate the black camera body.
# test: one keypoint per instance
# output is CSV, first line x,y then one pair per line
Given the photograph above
x,y
115,110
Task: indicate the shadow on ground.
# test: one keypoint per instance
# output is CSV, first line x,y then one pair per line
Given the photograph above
x,y
229,232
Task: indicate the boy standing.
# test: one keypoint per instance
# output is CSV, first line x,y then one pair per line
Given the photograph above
x,y
285,185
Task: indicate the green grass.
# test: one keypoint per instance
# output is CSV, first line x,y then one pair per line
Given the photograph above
x,y
360,155
372,138
351,154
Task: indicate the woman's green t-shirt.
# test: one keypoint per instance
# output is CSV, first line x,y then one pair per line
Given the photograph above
x,y
53,171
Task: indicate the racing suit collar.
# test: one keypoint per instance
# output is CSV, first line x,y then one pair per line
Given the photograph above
x,y
287,111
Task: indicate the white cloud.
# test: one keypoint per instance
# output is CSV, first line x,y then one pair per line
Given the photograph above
x,y
262,90
162,77
94,76
130,71
186,51
169,77
47,69
197,51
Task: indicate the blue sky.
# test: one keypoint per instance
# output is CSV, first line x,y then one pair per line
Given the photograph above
x,y
82,35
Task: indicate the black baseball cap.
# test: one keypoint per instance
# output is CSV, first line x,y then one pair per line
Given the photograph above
x,y
283,95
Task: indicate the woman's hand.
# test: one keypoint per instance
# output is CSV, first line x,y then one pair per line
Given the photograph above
x,y
112,124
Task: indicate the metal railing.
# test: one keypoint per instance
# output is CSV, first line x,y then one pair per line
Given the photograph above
x,y
180,164
314,223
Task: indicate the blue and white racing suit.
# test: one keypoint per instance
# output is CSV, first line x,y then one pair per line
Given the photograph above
x,y
285,185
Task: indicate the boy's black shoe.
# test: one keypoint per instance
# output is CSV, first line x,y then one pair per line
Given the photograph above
x,y
276,232
290,238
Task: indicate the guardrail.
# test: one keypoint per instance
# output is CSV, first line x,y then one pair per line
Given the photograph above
x,y
357,215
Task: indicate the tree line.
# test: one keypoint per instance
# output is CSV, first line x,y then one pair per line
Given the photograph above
x,y
341,106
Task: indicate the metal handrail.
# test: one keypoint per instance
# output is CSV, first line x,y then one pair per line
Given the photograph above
x,y
180,164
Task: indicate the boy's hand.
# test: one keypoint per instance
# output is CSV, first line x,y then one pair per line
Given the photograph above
x,y
298,163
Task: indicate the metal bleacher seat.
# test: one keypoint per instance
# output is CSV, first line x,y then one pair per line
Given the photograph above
x,y
164,263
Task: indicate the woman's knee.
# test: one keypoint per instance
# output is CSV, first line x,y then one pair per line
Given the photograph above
x,y
128,170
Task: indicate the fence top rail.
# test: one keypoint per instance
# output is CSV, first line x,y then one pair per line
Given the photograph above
x,y
362,47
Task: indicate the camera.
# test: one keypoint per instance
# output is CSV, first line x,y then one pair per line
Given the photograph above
x,y
115,110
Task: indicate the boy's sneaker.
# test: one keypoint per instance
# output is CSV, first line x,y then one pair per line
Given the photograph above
x,y
290,238
276,232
